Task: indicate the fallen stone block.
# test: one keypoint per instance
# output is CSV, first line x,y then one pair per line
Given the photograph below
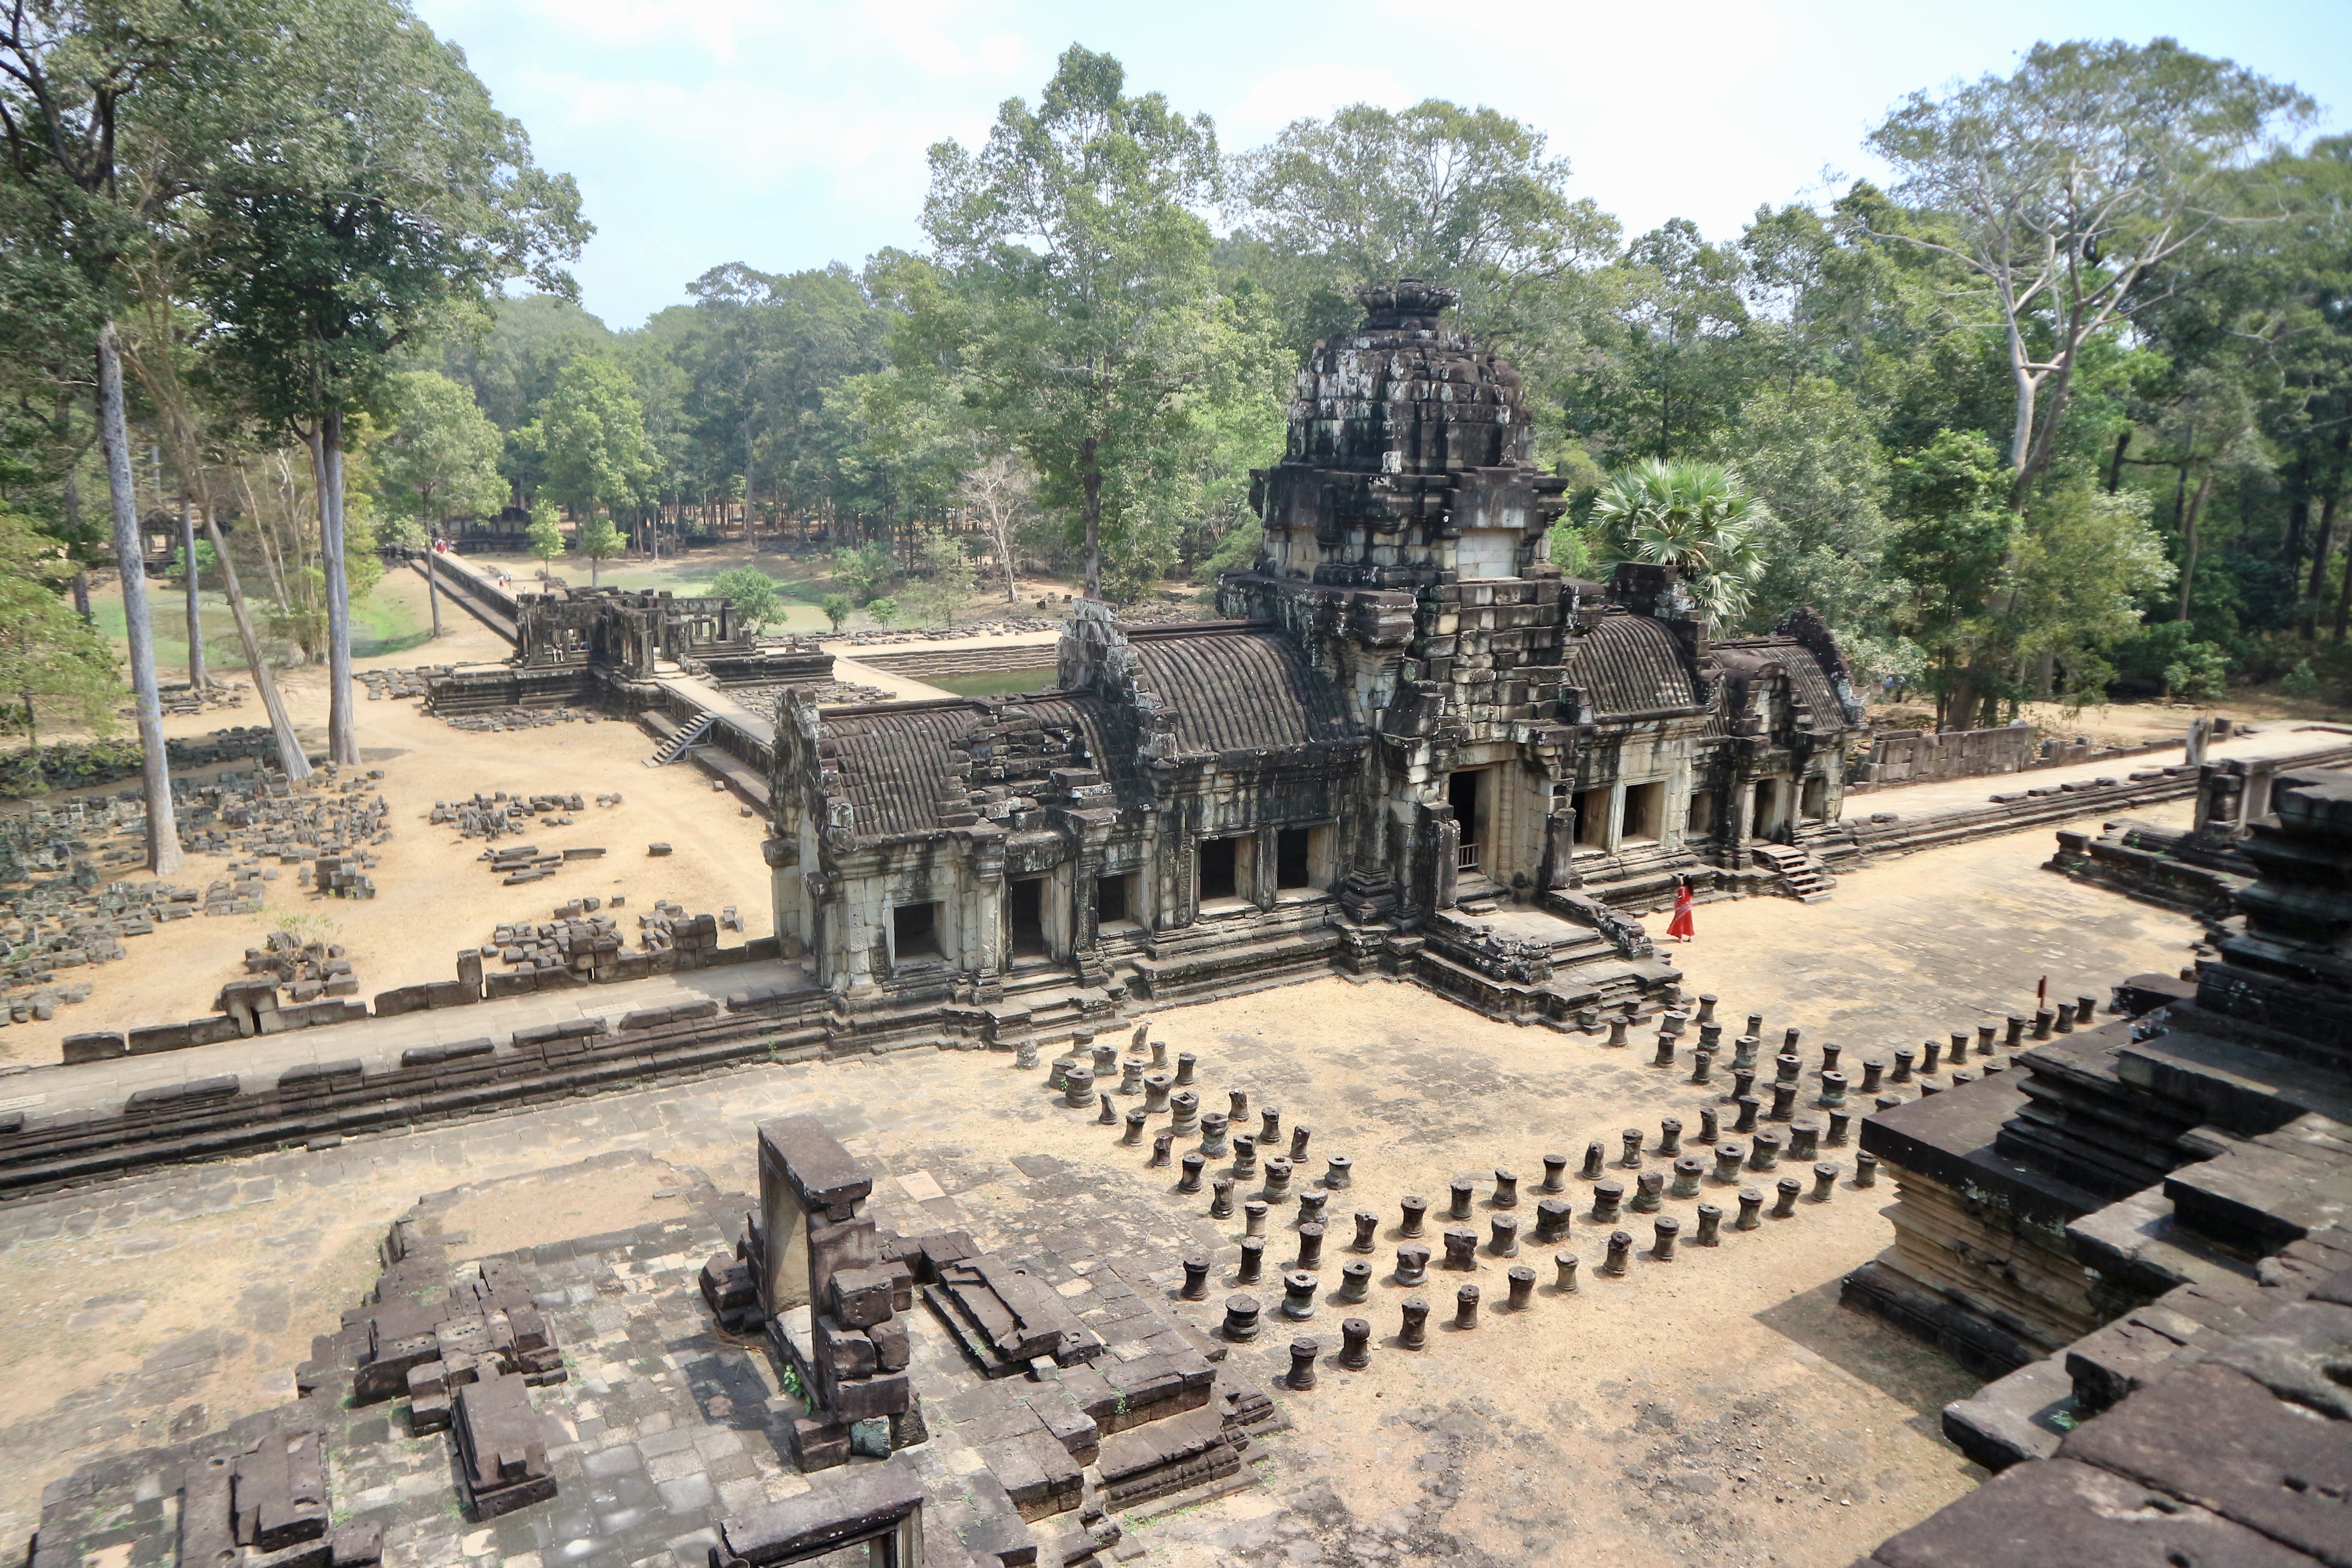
x,y
502,1456
95,1046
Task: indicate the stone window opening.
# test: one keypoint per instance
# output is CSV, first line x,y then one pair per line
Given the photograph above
x,y
1468,793
1700,818
1225,868
1118,899
1024,914
915,934
1302,860
1645,814
1816,799
1593,821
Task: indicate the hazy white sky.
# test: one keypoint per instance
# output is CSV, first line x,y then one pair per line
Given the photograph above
x,y
788,134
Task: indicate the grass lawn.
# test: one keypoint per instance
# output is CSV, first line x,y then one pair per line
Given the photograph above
x,y
380,624
996,682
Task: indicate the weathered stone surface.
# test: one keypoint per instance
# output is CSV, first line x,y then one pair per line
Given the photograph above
x,y
2214,1437
502,1448
2057,1512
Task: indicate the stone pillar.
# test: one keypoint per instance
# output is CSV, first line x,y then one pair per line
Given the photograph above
x,y
987,946
810,1188
1559,866
1265,866
1743,823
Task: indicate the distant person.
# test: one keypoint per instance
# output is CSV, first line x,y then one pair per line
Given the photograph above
x,y
1680,927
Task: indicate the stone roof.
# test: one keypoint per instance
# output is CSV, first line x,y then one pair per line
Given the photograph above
x,y
1238,690
1630,664
1809,683
897,763
892,758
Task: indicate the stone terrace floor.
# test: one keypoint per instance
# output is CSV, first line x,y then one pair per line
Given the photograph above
x,y
1718,1407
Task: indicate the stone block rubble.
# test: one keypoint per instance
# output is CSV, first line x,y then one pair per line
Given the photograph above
x,y
495,815
184,699
496,721
391,685
64,922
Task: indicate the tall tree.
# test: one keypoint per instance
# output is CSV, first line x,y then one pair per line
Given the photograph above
x,y
1075,242
112,113
2063,186
592,437
1462,196
403,200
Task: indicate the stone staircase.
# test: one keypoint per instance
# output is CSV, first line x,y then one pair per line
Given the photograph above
x,y
1802,877
679,742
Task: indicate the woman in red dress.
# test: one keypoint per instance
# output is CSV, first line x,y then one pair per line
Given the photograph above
x,y
1680,927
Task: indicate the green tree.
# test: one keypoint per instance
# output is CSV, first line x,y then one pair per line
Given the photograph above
x,y
1950,544
1461,196
865,570
1810,455
546,538
1672,370
599,541
1084,269
440,457
753,594
836,608
2063,186
52,665
398,198
948,575
1694,516
591,434
884,610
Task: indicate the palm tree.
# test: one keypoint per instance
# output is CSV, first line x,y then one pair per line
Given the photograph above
x,y
1693,516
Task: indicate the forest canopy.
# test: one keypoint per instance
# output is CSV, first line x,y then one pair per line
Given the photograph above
x,y
2062,408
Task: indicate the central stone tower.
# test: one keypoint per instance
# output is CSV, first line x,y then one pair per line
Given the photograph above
x,y
1408,464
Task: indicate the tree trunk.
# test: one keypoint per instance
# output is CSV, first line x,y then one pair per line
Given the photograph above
x,y
2116,467
197,676
1091,472
291,760
2310,616
163,855
326,442
433,585
73,528
2188,541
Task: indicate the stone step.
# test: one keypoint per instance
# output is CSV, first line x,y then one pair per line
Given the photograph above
x,y
2024,1415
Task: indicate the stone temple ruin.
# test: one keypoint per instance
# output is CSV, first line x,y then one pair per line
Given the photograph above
x,y
1411,750
1415,748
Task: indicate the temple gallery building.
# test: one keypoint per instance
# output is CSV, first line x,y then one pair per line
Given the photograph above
x,y
1412,744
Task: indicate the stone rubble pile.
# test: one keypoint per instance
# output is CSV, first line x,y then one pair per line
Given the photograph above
x,y
578,939
670,928
341,876
497,814
310,969
768,701
185,699
503,718
393,684
265,814
523,863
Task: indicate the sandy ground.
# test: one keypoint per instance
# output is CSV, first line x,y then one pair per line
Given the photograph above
x,y
433,897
